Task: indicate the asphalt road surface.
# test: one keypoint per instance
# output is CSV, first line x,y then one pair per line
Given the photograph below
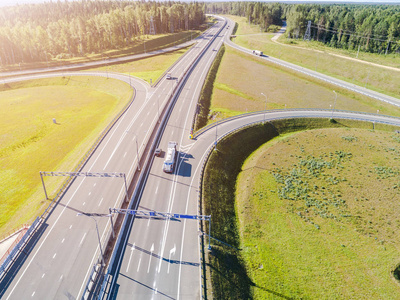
x,y
161,259
57,262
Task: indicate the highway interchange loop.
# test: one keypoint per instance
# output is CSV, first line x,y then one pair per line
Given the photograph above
x,y
160,258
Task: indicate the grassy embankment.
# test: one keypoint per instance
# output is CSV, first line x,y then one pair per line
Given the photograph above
x,y
31,142
379,79
148,68
335,239
84,106
237,88
242,78
149,43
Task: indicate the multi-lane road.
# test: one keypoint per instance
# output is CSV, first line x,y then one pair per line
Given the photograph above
x,y
161,257
57,262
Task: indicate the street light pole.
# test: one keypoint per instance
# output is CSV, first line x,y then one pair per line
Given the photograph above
x,y
98,235
265,105
334,104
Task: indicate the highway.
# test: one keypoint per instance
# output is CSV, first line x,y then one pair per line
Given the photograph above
x,y
317,75
161,258
57,262
97,63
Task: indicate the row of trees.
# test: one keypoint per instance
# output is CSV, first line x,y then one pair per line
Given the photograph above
x,y
260,13
373,28
40,32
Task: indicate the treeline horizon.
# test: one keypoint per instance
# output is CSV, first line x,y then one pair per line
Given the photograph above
x,y
373,28
59,30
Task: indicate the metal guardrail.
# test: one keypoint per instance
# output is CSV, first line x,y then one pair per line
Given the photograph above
x,y
106,288
233,131
173,65
14,252
17,249
212,125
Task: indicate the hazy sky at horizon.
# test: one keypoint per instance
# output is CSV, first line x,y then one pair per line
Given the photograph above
x,y
14,2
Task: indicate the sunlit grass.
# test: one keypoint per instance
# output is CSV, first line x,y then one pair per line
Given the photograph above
x,y
30,142
298,251
148,43
373,77
242,78
148,68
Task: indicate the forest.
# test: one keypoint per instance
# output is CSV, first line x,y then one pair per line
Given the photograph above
x,y
371,28
65,29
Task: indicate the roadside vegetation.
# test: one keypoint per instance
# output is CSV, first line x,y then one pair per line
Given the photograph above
x,y
148,68
204,102
242,78
77,31
374,77
31,142
313,214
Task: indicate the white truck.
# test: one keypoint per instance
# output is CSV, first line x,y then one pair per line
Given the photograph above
x,y
258,52
170,158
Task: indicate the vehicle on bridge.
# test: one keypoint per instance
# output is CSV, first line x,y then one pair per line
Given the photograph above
x,y
170,160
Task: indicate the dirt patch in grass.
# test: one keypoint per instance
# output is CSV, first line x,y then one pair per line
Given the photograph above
x,y
31,142
318,215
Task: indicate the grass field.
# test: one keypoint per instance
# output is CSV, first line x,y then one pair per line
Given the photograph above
x,y
318,214
148,68
242,78
373,77
148,43
30,142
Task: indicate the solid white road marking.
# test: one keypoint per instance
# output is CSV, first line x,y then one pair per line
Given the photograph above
x,y
156,189
82,239
151,255
130,257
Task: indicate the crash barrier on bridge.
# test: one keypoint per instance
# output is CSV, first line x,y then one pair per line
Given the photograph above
x,y
16,236
212,125
395,122
8,262
119,248
18,247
